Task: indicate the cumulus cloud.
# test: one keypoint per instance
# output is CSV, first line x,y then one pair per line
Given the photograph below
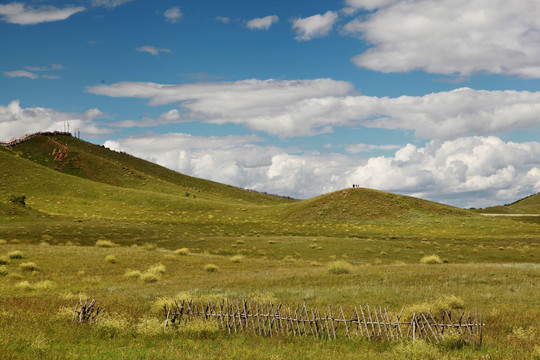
x,y
470,171
16,121
360,148
173,14
314,26
110,3
449,37
310,107
169,117
263,23
19,13
152,50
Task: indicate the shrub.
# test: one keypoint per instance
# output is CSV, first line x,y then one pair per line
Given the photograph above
x,y
132,274
182,252
15,254
339,267
29,266
149,277
105,244
18,199
111,259
3,270
237,259
431,259
211,268
4,260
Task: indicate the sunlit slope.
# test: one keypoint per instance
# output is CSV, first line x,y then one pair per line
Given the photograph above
x,y
56,193
528,205
366,204
71,156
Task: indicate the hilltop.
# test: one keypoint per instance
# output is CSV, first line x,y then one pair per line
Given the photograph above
x,y
527,205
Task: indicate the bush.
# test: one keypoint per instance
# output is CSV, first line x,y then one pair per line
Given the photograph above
x,y
339,267
431,259
15,254
111,259
182,252
18,199
105,244
29,266
211,268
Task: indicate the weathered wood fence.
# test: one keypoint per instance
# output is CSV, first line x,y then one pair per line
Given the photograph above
x,y
269,319
86,312
27,137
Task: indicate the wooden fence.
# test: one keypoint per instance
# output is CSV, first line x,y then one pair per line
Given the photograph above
x,y
269,319
27,137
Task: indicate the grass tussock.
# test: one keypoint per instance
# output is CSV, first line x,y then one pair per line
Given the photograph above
x,y
415,350
132,274
29,266
110,326
211,268
200,329
182,251
105,244
16,254
24,285
111,259
4,260
431,259
447,302
3,270
237,259
149,326
150,277
339,267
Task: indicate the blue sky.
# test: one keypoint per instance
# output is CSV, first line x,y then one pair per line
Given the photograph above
x,y
435,99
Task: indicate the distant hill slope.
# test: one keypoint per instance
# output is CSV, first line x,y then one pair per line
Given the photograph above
x,y
361,203
75,157
528,205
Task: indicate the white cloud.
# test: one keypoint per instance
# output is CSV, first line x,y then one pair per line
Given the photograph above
x,y
471,171
21,73
16,121
314,26
310,107
52,67
19,13
152,50
173,14
110,3
171,116
360,148
449,37
223,19
263,23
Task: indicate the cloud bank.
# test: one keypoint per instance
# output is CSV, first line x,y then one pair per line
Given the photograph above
x,y
449,37
310,107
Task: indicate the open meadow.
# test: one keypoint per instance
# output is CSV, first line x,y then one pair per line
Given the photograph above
x,y
134,236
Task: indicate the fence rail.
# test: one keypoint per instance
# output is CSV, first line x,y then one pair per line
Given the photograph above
x,y
269,319
27,137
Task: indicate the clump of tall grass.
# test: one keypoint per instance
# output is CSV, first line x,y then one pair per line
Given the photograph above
x,y
149,326
4,260
452,341
149,277
200,329
414,350
111,259
44,285
211,268
3,270
29,266
262,297
16,254
105,244
132,274
24,285
110,326
536,353
182,251
447,302
3,242
237,258
431,259
339,267
157,269
149,246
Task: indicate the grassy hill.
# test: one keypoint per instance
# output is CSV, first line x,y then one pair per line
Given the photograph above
x,y
527,205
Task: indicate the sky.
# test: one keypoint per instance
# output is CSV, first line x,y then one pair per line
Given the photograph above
x,y
438,99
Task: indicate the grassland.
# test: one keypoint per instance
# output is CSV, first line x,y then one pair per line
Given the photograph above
x,y
263,247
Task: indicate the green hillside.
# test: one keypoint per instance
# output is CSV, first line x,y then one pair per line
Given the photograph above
x,y
528,205
364,204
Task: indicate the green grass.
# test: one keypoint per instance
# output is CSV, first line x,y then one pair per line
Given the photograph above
x,y
115,228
